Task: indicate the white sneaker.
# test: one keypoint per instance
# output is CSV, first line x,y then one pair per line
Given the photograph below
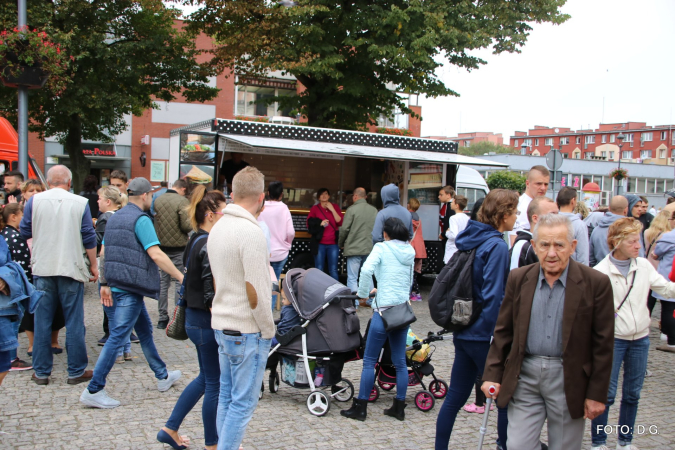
x,y
648,373
164,385
664,337
626,447
98,400
600,447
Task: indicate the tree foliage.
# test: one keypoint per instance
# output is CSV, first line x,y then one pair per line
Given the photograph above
x,y
353,56
503,179
127,54
485,147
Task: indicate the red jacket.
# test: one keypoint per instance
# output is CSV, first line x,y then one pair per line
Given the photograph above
x,y
418,240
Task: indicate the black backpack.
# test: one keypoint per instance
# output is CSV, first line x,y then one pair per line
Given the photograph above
x,y
451,302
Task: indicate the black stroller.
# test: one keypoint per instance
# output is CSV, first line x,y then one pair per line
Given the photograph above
x,y
312,355
418,360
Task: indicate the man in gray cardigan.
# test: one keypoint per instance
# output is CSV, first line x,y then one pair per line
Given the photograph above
x,y
355,235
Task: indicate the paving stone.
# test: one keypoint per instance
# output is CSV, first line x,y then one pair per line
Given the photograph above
x,y
51,417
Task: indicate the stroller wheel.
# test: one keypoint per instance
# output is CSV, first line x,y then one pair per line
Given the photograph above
x,y
386,386
318,403
424,400
274,382
439,388
342,391
374,394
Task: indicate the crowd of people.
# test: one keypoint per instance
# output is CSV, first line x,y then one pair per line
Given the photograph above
x,y
566,294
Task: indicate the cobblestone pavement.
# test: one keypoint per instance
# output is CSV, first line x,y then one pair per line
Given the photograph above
x,y
51,417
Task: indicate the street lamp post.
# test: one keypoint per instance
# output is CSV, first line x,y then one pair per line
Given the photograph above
x,y
620,138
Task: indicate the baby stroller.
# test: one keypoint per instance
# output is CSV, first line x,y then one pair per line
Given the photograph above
x,y
312,355
418,359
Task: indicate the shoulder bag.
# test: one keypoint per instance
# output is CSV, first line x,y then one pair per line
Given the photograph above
x,y
176,327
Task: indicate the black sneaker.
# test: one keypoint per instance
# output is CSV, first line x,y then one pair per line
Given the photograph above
x,y
19,364
103,340
135,339
162,324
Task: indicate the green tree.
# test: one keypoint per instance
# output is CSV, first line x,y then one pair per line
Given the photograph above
x,y
127,54
504,179
481,148
354,56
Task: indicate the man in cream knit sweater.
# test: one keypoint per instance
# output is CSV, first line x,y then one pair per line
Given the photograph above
x,y
241,314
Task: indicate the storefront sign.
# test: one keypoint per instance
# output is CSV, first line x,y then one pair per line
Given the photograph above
x,y
99,150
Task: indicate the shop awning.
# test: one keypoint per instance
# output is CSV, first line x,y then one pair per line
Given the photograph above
x,y
103,158
301,148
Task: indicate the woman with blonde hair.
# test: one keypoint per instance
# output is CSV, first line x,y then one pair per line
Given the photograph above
x,y
660,225
632,277
582,210
110,199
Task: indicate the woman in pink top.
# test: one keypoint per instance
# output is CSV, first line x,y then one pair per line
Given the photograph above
x,y
331,220
278,219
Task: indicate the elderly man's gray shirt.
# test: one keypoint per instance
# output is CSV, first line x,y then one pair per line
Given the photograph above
x,y
544,336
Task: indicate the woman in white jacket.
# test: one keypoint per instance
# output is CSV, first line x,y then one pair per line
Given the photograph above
x,y
632,277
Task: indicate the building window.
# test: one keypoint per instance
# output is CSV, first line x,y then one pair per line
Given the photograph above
x,y
611,155
527,142
590,139
589,155
629,137
651,186
467,143
604,154
604,138
612,138
536,142
564,140
646,154
664,135
549,142
578,139
515,143
662,153
627,154
249,96
647,137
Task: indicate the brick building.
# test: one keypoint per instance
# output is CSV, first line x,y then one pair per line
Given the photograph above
x,y
643,144
146,140
467,139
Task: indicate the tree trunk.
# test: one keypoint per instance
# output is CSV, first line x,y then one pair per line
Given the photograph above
x,y
79,164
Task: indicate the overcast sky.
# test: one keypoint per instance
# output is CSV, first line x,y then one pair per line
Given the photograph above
x,y
619,50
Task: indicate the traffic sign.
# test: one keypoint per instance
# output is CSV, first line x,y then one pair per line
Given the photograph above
x,y
554,159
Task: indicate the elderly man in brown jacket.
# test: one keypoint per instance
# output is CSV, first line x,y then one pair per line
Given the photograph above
x,y
551,356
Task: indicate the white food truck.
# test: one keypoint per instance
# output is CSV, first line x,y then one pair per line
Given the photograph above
x,y
308,158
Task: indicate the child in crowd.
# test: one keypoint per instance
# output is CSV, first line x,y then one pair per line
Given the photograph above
x,y
420,249
289,317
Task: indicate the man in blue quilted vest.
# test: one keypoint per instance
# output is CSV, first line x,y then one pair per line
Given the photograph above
x,y
130,257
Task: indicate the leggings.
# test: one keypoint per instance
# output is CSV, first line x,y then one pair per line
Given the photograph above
x,y
668,321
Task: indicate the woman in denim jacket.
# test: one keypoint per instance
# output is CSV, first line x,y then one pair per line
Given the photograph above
x,y
392,263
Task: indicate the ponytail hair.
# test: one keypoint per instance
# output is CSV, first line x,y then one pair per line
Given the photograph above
x,y
201,203
113,194
8,210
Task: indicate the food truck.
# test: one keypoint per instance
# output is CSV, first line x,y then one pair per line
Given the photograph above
x,y
306,158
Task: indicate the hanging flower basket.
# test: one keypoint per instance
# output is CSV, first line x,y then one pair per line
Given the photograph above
x,y
30,59
619,174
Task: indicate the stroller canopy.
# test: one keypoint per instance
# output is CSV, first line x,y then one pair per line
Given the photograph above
x,y
309,290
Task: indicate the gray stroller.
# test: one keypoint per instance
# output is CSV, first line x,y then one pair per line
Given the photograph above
x,y
312,355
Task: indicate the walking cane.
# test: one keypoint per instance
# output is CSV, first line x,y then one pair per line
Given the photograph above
x,y
483,429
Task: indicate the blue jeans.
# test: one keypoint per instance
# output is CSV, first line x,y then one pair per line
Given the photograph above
x,y
109,311
330,251
469,361
207,383
377,336
130,314
13,354
242,366
70,293
633,355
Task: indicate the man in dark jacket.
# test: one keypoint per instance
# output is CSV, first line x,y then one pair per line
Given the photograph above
x,y
392,208
12,185
551,355
522,253
172,224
